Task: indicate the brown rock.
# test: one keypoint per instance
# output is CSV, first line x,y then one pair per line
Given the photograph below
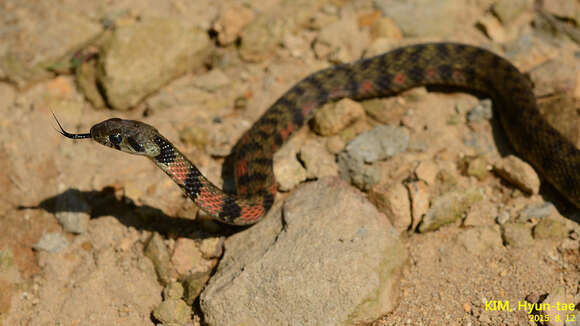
x,y
231,22
393,200
518,173
332,118
420,197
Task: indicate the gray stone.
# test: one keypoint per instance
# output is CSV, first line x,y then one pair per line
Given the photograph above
x,y
378,144
536,211
52,242
357,172
448,208
297,270
72,212
482,111
140,58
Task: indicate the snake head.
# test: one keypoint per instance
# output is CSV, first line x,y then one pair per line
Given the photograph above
x,y
129,136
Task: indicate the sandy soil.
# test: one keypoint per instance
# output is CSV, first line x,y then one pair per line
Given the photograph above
x,y
102,276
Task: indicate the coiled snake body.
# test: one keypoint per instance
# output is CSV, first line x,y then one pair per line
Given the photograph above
x,y
447,64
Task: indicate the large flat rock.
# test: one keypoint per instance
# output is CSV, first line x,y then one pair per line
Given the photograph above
x,y
324,257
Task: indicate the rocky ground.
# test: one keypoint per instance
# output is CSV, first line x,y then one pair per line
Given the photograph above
x,y
409,210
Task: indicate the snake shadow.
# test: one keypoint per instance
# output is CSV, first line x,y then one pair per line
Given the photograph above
x,y
141,217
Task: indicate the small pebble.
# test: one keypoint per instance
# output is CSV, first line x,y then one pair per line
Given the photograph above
x,y
52,242
482,111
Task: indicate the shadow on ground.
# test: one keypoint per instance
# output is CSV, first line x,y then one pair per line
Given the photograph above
x,y
106,203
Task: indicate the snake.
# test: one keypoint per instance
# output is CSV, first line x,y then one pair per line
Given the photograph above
x,y
450,65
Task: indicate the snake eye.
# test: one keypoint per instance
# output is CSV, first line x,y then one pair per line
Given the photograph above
x,y
115,139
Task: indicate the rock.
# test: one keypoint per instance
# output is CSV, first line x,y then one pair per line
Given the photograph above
x,y
194,284
427,171
518,173
502,217
517,235
159,255
422,17
287,169
72,211
393,201
482,111
448,208
173,311
508,10
335,144
317,161
478,167
173,290
493,28
334,117
140,58
211,247
39,36
86,76
420,199
564,8
549,228
212,81
536,212
187,258
387,28
298,270
362,175
554,76
341,41
260,38
480,239
231,22
480,214
386,110
379,143
52,242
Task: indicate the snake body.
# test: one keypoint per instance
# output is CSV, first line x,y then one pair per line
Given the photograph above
x,y
446,64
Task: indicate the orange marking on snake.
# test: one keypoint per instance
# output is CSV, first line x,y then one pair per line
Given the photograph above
x,y
178,170
287,131
251,213
458,74
337,93
367,87
241,167
213,202
308,108
431,72
400,78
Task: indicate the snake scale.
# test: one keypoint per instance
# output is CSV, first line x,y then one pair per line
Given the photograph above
x,y
446,64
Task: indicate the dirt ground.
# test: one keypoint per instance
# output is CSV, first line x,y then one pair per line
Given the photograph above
x,y
102,274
